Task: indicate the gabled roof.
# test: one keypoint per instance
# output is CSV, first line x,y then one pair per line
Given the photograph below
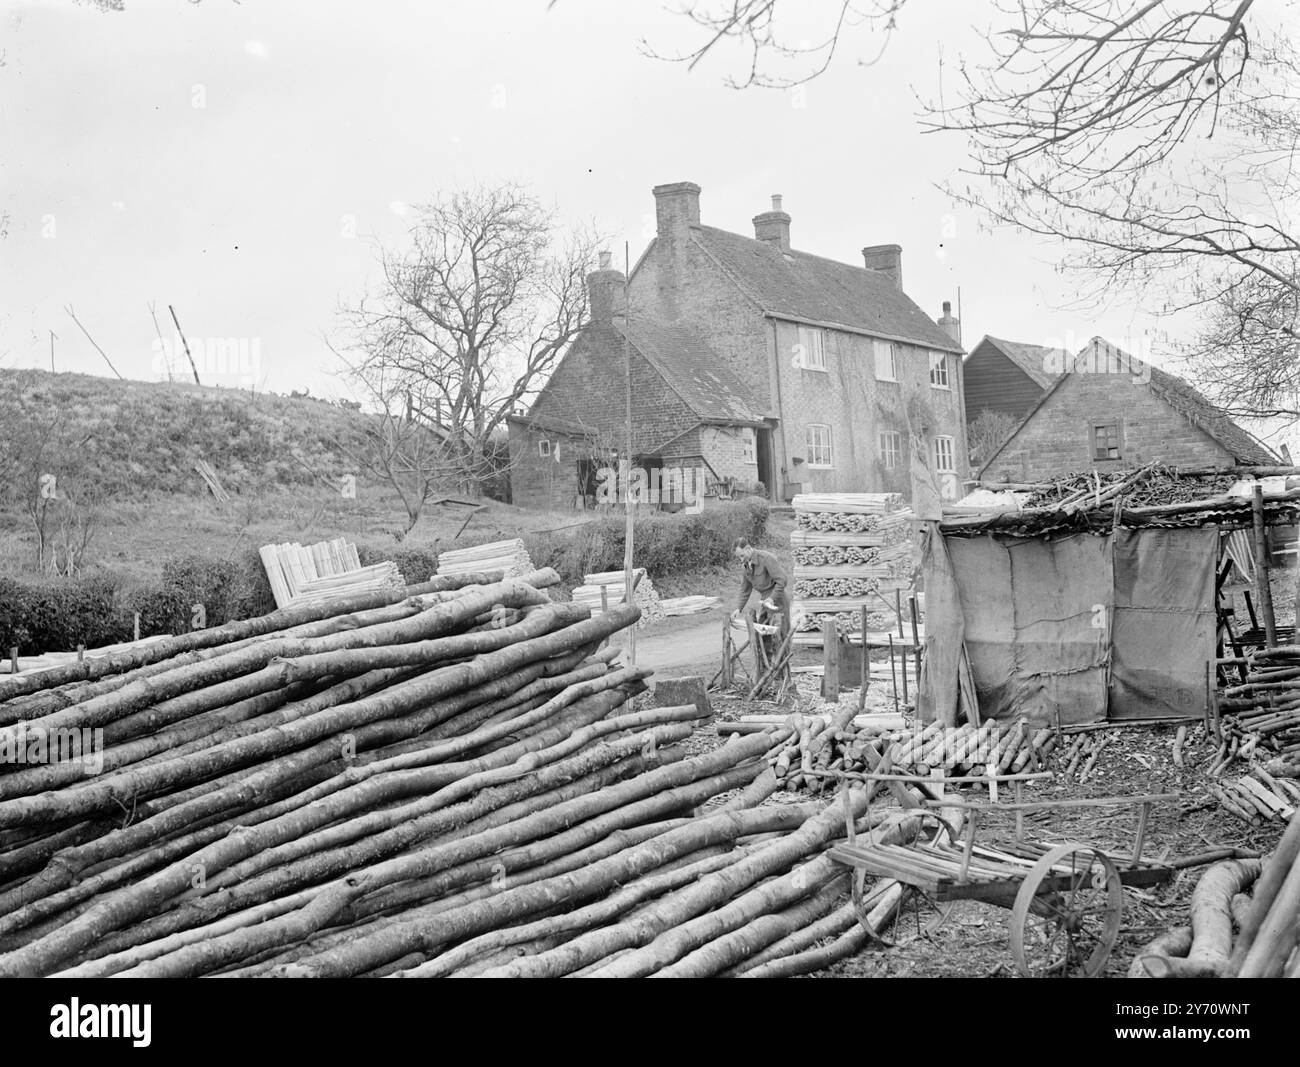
x,y
694,371
1244,448
1035,360
799,286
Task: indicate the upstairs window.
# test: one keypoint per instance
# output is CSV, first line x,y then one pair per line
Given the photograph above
x,y
939,371
812,348
886,368
943,456
543,448
891,448
1105,441
818,439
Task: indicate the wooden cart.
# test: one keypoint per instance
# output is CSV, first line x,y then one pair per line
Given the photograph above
x,y
1066,898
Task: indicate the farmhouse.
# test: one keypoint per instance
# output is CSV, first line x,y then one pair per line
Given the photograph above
x,y
774,370
1106,411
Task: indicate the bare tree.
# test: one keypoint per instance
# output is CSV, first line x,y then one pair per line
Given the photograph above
x,y
987,432
473,314
1155,139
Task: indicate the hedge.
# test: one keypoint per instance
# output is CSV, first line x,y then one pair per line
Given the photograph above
x,y
57,614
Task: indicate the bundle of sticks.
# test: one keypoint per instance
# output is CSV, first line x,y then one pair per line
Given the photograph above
x,y
510,556
1245,915
1266,706
811,588
432,786
835,556
610,588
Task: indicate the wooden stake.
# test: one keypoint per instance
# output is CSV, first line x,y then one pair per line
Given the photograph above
x,y
830,662
726,653
916,639
898,611
81,653
1264,591
864,665
893,677
137,626
13,660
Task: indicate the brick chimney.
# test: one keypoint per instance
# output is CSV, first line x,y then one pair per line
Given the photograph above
x,y
605,291
887,259
773,226
677,209
948,324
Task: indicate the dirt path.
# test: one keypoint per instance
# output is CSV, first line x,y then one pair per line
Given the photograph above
x,y
689,644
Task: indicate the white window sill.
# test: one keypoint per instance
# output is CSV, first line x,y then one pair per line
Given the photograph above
x,y
891,381
821,466
819,370
945,388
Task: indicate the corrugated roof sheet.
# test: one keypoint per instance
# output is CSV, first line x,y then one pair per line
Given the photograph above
x,y
798,285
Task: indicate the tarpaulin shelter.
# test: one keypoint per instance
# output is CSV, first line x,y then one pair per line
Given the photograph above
x,y
1078,614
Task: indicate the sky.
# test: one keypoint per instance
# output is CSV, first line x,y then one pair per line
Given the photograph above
x,y
239,162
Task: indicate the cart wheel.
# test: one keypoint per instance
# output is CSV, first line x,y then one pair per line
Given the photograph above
x,y
1068,929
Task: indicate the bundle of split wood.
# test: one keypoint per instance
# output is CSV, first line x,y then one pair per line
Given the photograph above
x,y
687,605
1245,917
614,586
970,751
429,786
322,571
1258,797
509,556
848,547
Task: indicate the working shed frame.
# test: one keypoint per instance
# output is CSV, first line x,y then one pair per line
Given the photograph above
x,y
1086,612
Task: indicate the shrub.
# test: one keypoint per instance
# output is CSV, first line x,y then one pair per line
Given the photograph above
x,y
416,564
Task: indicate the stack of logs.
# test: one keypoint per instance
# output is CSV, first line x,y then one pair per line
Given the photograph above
x,y
1258,797
1245,916
823,747
449,784
1266,705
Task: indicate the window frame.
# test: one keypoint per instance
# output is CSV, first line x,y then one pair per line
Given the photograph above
x,y
1114,431
896,450
749,445
939,361
813,448
876,348
807,349
544,448
952,454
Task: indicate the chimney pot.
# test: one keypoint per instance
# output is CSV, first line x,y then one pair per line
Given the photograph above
x,y
773,226
948,324
606,258
605,292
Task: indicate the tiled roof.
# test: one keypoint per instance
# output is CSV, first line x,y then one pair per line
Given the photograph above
x,y
1183,398
694,371
1035,360
801,286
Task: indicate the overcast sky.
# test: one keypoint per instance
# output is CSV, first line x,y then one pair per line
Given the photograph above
x,y
236,160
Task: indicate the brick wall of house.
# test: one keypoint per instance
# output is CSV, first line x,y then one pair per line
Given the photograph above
x,y
856,406
706,298
725,450
588,388
1058,438
545,482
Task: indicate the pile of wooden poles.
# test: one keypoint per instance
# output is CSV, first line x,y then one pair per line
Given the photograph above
x,y
1079,758
1245,918
1267,703
449,784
